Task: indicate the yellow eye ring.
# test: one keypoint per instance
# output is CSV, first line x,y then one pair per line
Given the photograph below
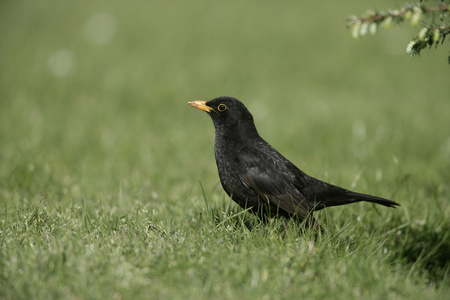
x,y
221,107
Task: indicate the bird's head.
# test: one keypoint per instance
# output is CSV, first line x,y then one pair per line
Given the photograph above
x,y
229,115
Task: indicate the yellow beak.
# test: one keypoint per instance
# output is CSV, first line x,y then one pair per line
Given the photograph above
x,y
200,105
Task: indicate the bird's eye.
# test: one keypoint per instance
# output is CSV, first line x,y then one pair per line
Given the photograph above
x,y
221,107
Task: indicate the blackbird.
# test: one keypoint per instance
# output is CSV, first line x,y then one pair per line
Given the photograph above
x,y
259,178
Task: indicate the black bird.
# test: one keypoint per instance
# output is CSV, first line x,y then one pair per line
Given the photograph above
x,y
258,177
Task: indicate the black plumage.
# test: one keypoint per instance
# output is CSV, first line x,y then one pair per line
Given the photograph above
x,y
258,177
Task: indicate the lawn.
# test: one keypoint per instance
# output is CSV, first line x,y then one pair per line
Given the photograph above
x,y
108,183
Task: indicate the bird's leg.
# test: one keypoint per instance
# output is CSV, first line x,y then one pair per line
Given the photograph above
x,y
312,223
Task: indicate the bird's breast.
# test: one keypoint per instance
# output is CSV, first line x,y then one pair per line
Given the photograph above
x,y
227,167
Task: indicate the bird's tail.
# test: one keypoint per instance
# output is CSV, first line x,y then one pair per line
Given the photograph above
x,y
348,197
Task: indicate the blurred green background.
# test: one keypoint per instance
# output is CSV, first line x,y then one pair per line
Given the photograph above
x,y
93,95
93,114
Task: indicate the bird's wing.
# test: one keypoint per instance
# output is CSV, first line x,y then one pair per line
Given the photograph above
x,y
267,173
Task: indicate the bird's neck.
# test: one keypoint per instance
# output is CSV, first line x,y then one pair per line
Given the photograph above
x,y
229,142
238,133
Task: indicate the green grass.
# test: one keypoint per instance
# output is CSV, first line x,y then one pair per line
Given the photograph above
x,y
108,184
